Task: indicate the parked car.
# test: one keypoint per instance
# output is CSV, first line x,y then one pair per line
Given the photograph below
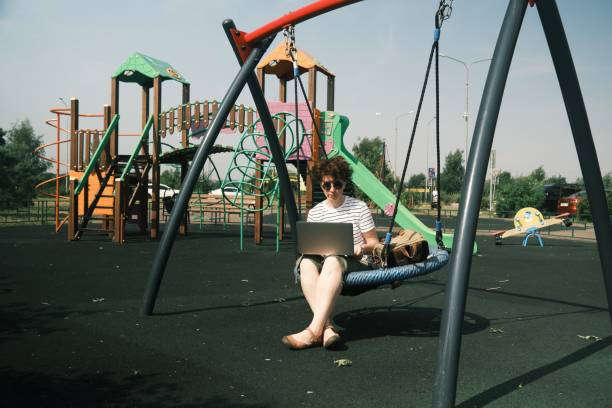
x,y
164,191
228,191
570,203
554,192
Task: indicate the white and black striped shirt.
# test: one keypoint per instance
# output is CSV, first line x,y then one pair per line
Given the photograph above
x,y
352,210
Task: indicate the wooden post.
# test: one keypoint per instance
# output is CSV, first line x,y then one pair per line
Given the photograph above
x,y
312,87
186,117
114,142
330,92
316,146
74,128
282,97
105,157
155,173
73,212
80,149
261,77
119,212
183,225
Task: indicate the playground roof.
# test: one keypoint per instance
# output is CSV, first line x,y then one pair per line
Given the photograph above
x,y
142,69
277,62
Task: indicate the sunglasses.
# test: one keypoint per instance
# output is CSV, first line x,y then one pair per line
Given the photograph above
x,y
338,185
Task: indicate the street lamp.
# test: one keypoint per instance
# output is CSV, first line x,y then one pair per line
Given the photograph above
x,y
396,148
382,168
466,114
427,155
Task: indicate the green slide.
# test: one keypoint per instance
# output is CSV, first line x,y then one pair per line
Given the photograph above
x,y
334,126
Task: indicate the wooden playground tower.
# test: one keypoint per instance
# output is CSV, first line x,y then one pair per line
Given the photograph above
x,y
278,63
110,188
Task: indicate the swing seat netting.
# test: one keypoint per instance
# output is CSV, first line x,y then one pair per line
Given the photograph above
x,y
360,281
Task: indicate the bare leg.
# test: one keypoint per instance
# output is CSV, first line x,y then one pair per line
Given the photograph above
x,y
320,291
328,288
309,276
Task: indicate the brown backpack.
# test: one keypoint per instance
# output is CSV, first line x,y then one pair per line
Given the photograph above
x,y
406,247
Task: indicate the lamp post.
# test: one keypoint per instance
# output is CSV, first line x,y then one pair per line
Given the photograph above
x,y
466,114
428,180
396,148
382,169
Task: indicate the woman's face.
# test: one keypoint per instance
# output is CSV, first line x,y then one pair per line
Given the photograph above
x,y
333,188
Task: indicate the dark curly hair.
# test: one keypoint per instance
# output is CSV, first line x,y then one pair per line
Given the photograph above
x,y
336,167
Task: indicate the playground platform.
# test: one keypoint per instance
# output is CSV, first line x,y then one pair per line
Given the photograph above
x,y
536,333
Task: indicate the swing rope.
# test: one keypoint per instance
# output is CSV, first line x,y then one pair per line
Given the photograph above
x,y
291,51
443,13
290,31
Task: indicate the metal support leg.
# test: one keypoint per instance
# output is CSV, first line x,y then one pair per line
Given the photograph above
x,y
581,130
445,386
167,240
270,132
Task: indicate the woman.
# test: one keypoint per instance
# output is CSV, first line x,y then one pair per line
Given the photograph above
x,y
321,277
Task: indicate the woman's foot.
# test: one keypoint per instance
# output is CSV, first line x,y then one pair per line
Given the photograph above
x,y
330,336
302,340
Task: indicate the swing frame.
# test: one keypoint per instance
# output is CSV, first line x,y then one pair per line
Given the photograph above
x,y
249,49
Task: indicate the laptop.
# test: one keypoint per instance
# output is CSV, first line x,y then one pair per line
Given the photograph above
x,y
325,238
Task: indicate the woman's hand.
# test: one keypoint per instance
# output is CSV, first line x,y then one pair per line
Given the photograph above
x,y
358,250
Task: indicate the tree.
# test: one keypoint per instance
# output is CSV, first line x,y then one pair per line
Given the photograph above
x,y
21,170
370,153
538,174
558,179
416,180
607,180
171,177
451,177
518,193
504,178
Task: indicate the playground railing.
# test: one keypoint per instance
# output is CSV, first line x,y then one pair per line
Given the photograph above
x,y
92,163
37,212
196,115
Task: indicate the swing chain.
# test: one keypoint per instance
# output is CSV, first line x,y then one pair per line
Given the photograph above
x,y
445,9
290,49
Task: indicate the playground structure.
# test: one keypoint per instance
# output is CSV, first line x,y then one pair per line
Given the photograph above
x,y
107,188
529,221
249,48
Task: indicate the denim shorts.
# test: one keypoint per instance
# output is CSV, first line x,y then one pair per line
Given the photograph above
x,y
348,263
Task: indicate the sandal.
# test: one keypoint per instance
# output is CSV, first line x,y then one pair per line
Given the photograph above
x,y
330,336
294,344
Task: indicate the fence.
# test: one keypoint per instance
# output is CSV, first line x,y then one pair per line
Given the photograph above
x,y
41,212
38,212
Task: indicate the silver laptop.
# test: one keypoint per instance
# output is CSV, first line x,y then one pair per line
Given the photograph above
x,y
325,238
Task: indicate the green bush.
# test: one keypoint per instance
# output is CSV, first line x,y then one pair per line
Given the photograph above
x,y
518,193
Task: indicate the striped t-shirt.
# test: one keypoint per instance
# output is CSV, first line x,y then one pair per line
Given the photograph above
x,y
352,210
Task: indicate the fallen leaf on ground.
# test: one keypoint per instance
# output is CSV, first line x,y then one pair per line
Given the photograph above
x,y
589,337
343,362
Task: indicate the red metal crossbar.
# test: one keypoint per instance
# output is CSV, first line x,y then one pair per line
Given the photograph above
x,y
302,14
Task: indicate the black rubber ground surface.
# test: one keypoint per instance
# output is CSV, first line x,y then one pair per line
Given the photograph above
x,y
71,334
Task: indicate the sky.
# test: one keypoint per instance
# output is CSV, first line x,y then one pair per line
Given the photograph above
x,y
378,51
